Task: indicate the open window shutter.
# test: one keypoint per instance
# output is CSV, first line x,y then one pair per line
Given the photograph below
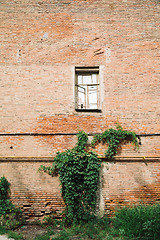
x,y
81,97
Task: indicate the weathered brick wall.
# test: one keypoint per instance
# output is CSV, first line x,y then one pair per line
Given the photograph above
x,y
41,42
130,182
35,193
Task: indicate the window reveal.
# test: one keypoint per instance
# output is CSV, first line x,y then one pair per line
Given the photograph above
x,y
87,88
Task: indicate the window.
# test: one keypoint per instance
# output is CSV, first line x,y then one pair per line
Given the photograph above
x,y
87,88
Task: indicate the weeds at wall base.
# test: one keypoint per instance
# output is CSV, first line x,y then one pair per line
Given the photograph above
x,y
124,227
10,216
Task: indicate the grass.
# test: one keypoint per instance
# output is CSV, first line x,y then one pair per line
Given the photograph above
x,y
3,230
10,234
15,235
139,222
136,223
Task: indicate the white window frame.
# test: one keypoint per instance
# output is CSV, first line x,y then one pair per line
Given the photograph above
x,y
87,89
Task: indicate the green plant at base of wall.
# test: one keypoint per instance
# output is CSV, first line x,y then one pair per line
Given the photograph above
x,y
79,175
10,216
113,138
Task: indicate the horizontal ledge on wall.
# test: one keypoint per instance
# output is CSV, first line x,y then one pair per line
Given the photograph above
x,y
87,110
68,134
130,159
35,134
103,159
26,159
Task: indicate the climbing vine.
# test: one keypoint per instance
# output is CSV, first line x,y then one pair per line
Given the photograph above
x,y
113,138
79,172
79,175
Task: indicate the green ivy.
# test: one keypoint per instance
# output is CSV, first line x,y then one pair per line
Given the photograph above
x,y
10,216
79,175
113,138
4,188
79,172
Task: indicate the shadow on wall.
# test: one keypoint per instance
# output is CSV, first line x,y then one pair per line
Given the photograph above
x,y
36,194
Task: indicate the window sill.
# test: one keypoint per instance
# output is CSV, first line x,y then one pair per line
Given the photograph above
x,y
87,110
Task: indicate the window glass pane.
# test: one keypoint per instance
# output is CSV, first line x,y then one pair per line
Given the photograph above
x,y
92,96
94,78
87,79
79,79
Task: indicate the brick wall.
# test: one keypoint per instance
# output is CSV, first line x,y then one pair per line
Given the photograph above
x,y
130,182
41,42
35,193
